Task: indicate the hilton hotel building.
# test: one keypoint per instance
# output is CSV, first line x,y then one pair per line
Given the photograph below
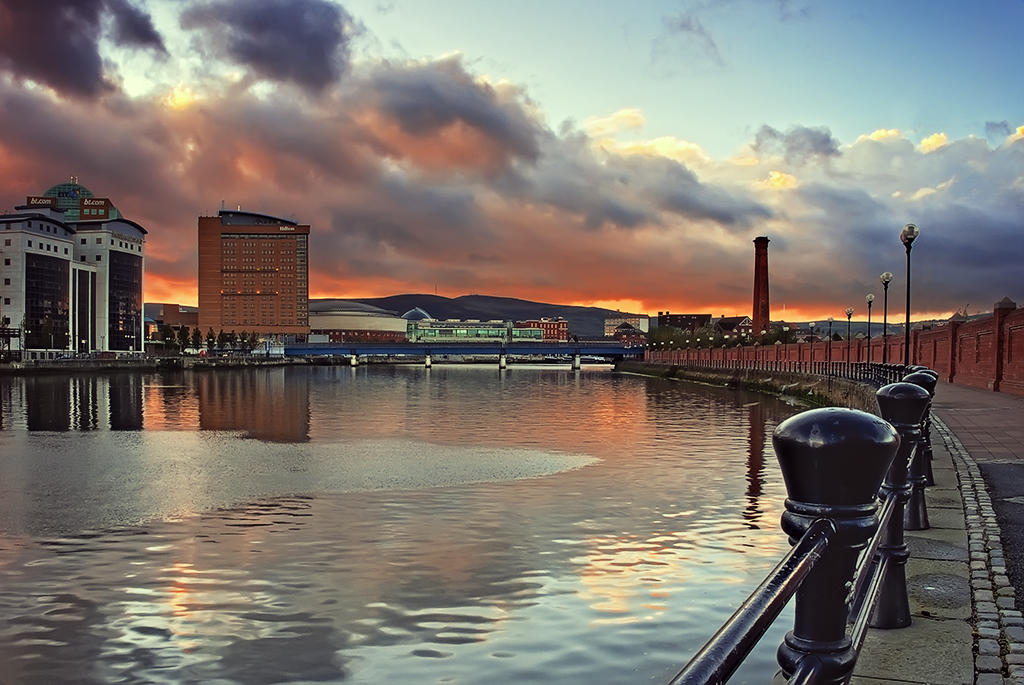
x,y
253,275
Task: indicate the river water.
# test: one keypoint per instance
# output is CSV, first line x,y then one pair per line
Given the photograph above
x,y
386,523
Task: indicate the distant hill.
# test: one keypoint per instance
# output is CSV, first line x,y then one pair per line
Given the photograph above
x,y
585,322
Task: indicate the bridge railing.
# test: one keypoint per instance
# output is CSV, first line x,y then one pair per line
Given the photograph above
x,y
852,479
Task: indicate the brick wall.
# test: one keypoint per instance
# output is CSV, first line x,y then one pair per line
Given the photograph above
x,y
984,353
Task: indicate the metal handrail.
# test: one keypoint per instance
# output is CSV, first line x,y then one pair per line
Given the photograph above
x,y
725,651
847,566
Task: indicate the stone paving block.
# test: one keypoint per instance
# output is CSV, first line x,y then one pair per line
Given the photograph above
x,y
947,518
910,654
938,588
940,544
943,497
988,664
989,679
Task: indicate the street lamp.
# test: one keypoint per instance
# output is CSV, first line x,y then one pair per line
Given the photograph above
x,y
813,324
886,278
828,356
869,298
849,341
908,235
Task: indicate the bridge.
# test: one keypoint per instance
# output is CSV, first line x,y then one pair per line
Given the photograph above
x,y
501,349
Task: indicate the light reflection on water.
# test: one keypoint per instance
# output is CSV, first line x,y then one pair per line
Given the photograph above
x,y
263,526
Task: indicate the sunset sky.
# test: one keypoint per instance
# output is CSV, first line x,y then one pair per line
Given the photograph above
x,y
603,153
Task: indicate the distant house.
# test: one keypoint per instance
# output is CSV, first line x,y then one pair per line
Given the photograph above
x,y
552,329
734,325
629,334
640,322
684,322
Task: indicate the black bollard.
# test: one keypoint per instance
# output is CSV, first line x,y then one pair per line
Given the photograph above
x,y
903,405
833,461
916,515
929,385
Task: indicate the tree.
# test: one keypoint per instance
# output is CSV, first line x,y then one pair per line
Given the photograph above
x,y
211,339
222,339
183,337
197,338
167,334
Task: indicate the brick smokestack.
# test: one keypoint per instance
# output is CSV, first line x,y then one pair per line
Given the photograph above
x,y
761,316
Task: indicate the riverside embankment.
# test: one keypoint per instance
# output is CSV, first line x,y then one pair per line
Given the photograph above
x,y
58,366
813,390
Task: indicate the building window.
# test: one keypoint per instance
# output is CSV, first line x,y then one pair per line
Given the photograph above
x,y
99,258
99,241
7,300
30,243
82,258
7,281
65,250
7,242
7,261
83,241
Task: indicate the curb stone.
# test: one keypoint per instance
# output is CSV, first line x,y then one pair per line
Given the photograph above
x,y
988,574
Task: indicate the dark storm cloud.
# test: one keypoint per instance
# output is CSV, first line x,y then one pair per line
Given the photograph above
x,y
997,131
57,42
425,98
677,189
306,42
132,26
798,145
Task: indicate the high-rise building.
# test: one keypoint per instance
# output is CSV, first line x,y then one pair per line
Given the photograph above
x,y
72,275
253,274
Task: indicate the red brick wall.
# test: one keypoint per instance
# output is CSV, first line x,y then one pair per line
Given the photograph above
x,y
964,353
1013,353
975,353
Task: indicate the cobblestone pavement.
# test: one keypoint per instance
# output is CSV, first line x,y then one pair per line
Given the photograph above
x,y
965,577
984,433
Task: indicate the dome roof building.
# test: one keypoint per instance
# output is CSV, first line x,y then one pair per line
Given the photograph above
x,y
417,314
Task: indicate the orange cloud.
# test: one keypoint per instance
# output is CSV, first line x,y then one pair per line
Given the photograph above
x,y
451,147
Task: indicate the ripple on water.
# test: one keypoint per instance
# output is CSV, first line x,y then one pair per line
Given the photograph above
x,y
524,568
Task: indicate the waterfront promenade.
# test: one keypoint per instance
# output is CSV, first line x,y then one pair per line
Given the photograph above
x,y
966,572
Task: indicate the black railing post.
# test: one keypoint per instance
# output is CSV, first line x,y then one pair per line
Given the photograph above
x,y
929,476
833,461
902,405
916,514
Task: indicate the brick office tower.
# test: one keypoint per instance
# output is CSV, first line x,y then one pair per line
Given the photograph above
x,y
253,275
761,315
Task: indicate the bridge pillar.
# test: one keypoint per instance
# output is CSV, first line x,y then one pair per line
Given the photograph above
x,y
426,360
575,362
502,361
353,360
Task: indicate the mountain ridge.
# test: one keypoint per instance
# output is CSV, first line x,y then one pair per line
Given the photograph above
x,y
583,321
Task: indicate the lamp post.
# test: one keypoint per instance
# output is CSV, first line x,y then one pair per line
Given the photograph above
x,y
849,340
869,298
828,355
813,324
907,236
886,278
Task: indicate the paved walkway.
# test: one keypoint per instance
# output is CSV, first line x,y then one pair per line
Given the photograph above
x,y
966,573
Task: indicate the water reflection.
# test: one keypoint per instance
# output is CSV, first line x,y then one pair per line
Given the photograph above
x,y
267,404
611,572
755,462
48,403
